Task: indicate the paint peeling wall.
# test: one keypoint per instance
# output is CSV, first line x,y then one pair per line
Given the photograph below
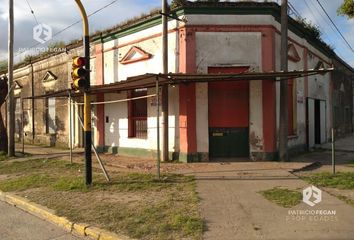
x,y
299,104
342,99
116,123
49,75
316,87
116,129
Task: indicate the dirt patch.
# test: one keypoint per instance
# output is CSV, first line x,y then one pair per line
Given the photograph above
x,y
3,177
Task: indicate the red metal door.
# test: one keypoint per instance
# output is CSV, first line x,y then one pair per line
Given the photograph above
x,y
228,101
228,116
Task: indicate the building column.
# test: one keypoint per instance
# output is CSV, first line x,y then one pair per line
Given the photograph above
x,y
187,97
269,96
100,142
306,90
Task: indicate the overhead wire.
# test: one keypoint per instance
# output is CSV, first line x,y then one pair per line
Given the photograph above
x,y
89,15
32,11
317,22
323,17
69,26
294,10
324,10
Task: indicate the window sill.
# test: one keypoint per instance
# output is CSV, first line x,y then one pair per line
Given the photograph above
x,y
137,138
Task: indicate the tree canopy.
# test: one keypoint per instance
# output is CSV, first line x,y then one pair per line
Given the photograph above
x,y
347,8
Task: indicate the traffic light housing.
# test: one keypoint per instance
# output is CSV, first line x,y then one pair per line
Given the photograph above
x,y
78,73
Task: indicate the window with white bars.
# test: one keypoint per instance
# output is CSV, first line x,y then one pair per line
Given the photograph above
x,y
137,114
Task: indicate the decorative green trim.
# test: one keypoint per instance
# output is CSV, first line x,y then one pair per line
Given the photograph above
x,y
148,153
135,152
113,150
192,157
156,19
137,27
229,11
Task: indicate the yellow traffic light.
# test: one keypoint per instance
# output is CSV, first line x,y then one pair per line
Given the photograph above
x,y
78,73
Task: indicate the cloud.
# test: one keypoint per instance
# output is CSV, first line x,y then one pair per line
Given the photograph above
x,y
60,14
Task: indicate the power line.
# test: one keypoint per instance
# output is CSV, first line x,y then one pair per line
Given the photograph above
x,y
93,13
293,9
329,36
319,25
324,10
31,9
321,15
71,25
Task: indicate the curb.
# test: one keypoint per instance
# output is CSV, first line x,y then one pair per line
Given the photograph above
x,y
81,229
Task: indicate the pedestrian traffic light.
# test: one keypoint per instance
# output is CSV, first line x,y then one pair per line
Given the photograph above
x,y
78,73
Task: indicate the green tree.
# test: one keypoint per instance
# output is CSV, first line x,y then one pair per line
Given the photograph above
x,y
347,8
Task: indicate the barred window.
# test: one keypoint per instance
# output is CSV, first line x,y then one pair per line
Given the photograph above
x,y
137,114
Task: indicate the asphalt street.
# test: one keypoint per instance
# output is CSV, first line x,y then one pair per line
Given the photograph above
x,y
16,224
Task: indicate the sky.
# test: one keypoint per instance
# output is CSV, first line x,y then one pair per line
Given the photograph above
x,y
59,14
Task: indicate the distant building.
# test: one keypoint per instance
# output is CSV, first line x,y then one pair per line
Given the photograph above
x,y
206,120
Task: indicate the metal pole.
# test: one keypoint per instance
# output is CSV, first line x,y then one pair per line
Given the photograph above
x,y
158,126
22,127
87,104
32,102
164,103
283,113
97,156
11,103
333,153
70,131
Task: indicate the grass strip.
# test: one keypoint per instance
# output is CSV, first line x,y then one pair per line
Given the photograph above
x,y
283,197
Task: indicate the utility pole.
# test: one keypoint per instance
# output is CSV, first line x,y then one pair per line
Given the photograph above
x,y
11,100
164,14
87,100
32,101
283,113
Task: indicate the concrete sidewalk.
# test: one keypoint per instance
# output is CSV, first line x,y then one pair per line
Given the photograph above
x,y
42,150
234,208
344,144
35,152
